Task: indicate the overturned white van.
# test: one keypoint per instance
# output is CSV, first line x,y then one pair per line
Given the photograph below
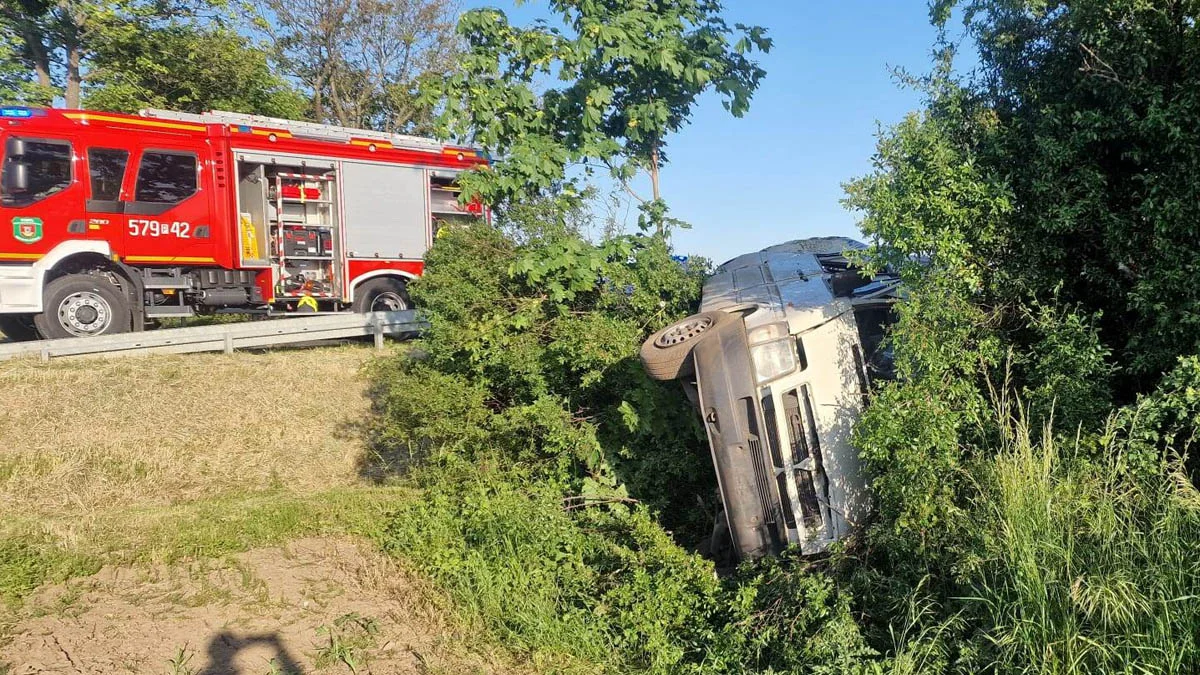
x,y
779,363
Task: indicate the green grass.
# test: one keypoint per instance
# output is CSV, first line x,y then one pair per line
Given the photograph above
x,y
1083,569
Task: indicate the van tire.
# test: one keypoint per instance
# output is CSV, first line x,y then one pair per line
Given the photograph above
x,y
83,305
667,354
18,327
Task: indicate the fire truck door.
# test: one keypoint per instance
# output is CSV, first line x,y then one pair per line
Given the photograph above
x,y
40,191
168,207
107,171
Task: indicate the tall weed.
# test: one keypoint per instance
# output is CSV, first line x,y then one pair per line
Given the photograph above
x,y
1083,568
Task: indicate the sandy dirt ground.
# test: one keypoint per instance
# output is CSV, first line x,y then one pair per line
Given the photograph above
x,y
321,605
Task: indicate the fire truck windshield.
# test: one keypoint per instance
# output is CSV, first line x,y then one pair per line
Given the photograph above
x,y
33,169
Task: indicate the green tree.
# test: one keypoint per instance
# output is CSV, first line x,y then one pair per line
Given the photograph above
x,y
192,68
1094,124
16,83
130,54
361,62
57,39
631,74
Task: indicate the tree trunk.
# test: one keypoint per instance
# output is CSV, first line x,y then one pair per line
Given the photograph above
x,y
35,50
655,193
74,80
339,107
654,162
318,99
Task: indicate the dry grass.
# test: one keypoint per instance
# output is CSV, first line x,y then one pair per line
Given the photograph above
x,y
79,438
133,464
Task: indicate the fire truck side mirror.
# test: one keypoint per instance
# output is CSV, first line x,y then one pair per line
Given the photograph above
x,y
16,171
16,177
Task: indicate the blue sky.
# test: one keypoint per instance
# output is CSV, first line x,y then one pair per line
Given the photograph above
x,y
776,173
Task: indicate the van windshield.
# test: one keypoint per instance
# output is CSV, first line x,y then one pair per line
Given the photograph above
x,y
873,322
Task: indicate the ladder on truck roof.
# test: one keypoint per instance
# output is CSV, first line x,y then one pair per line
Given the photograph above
x,y
312,130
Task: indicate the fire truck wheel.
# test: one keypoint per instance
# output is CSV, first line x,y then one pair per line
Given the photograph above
x,y
667,355
18,327
82,305
381,295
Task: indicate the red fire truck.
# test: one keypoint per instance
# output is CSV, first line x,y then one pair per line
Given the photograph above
x,y
110,222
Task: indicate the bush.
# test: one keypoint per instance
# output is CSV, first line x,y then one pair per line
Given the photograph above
x,y
595,586
576,587
559,484
531,357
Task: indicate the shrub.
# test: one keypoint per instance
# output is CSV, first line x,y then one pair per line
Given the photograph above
x,y
576,587
532,355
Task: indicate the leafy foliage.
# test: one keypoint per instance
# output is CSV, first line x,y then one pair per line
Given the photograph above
x,y
631,74
1030,210
1087,112
361,63
540,338
190,68
132,54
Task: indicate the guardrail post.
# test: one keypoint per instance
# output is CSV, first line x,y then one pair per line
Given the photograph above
x,y
378,329
228,342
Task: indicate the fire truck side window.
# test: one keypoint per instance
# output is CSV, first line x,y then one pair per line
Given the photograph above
x,y
34,170
106,167
166,177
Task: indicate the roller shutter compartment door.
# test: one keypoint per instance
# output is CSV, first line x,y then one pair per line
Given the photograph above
x,y
385,212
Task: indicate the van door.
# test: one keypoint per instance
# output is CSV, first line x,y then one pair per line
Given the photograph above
x,y
169,206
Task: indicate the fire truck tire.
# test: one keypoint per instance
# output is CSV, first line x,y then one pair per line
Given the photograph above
x,y
82,305
667,354
382,295
18,327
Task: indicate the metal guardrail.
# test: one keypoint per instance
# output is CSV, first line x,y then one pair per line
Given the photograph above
x,y
225,337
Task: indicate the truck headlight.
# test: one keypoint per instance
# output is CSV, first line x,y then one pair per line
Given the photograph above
x,y
773,359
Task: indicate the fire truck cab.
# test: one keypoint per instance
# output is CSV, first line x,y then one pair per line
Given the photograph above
x,y
109,222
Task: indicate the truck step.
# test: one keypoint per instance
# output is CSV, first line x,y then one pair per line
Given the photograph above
x,y
169,312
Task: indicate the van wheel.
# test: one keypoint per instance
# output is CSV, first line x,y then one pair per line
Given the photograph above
x,y
666,355
18,327
382,295
82,305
